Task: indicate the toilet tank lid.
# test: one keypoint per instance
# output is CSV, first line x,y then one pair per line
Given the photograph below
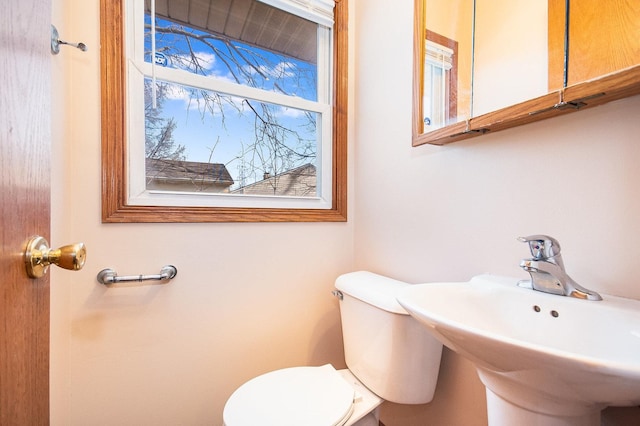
x,y
373,289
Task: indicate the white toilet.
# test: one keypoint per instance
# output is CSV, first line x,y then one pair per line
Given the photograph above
x,y
390,357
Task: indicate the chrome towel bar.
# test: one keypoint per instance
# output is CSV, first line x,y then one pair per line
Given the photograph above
x,y
109,276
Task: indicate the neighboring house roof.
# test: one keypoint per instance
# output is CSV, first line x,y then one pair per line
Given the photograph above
x,y
192,173
300,182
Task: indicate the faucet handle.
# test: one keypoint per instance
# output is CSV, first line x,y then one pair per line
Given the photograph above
x,y
542,246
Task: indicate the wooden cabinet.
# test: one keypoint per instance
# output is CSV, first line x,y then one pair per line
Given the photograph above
x,y
604,36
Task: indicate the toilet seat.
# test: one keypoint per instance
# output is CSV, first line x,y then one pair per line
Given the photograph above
x,y
310,396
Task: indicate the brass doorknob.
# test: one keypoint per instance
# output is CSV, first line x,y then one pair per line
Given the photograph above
x,y
38,256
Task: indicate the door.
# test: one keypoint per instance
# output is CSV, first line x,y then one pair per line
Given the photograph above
x,y
25,82
603,38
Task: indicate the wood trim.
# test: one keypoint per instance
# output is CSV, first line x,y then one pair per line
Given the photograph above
x,y
522,113
601,90
113,114
555,43
341,106
114,177
445,135
417,124
605,89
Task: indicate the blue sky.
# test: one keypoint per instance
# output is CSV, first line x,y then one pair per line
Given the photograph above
x,y
216,131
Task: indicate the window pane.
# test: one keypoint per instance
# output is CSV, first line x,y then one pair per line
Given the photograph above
x,y
435,100
203,141
257,45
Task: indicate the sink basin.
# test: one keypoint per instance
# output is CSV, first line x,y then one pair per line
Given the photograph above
x,y
544,359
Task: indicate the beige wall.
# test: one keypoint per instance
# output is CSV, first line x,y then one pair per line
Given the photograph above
x,y
248,298
448,213
254,297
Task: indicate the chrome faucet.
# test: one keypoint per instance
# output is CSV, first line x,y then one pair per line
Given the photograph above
x,y
547,269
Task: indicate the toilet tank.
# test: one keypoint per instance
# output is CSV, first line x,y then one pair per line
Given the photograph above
x,y
386,349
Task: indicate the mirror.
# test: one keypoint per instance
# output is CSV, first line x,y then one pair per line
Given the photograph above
x,y
448,47
517,77
503,50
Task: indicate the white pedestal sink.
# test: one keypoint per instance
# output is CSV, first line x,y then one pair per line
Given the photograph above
x,y
544,359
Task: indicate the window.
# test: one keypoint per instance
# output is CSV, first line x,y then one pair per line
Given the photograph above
x,y
224,110
439,103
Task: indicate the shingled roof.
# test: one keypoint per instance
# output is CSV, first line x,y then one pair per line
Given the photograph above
x,y
199,176
300,182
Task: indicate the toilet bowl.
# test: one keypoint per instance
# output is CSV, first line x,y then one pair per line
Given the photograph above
x,y
310,396
389,357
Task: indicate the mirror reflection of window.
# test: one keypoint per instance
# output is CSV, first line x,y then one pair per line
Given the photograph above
x,y
437,82
446,63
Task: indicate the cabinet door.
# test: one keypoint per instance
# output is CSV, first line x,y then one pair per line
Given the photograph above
x,y
604,36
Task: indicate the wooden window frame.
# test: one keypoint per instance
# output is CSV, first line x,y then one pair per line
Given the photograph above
x,y
115,208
